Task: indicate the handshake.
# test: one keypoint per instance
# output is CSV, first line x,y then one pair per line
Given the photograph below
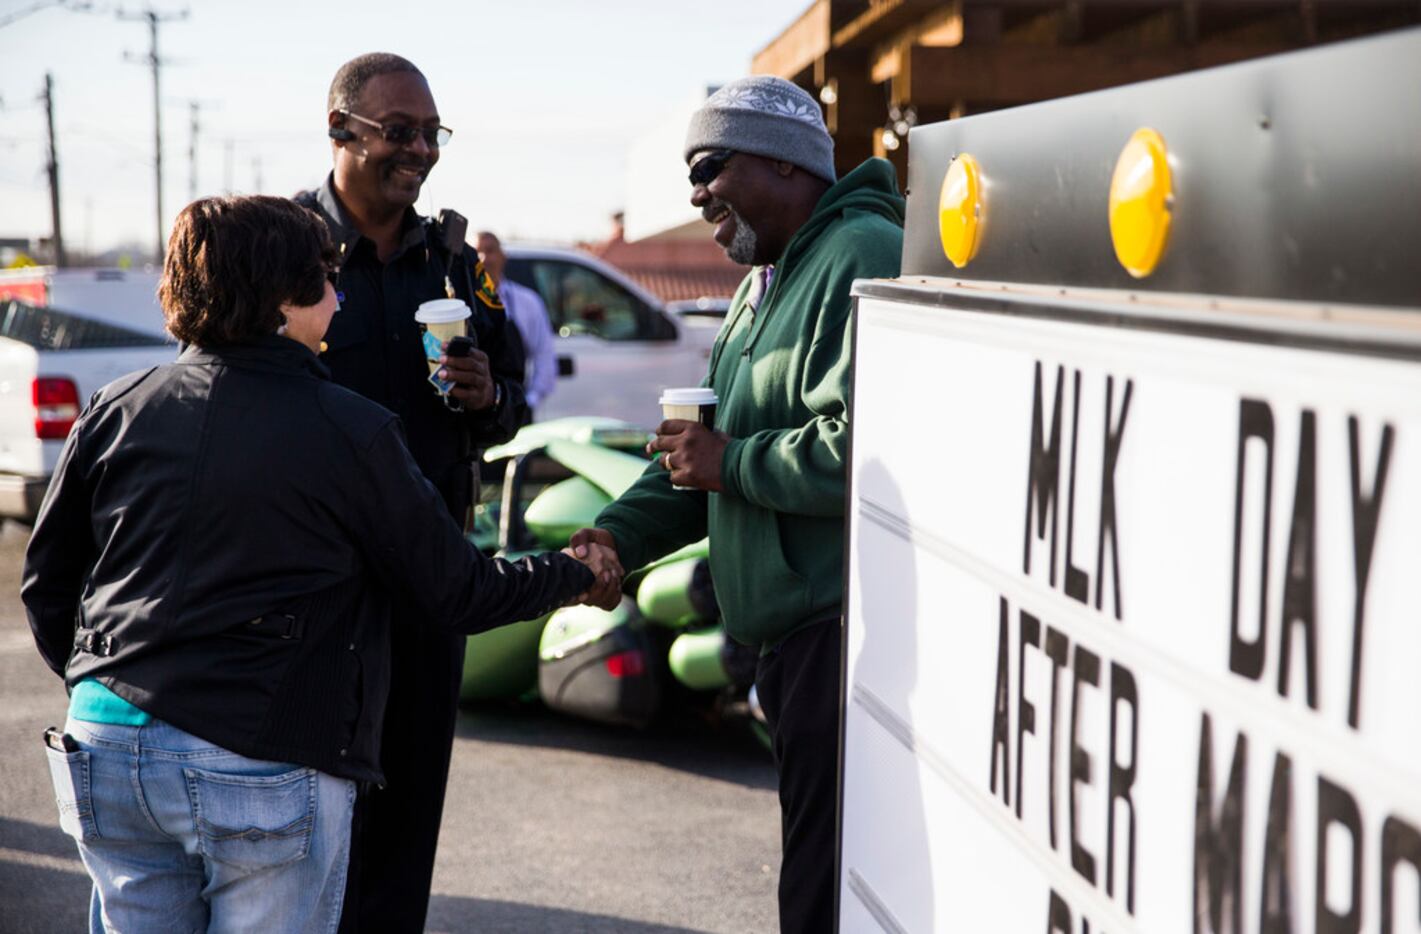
x,y
596,549
691,454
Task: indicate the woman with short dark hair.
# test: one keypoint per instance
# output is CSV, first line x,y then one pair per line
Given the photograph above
x,y
211,572
233,262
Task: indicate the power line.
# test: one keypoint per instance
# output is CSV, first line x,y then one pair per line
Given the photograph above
x,y
76,5
136,154
153,18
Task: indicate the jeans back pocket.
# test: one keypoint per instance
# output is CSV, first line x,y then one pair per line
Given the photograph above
x,y
69,771
253,822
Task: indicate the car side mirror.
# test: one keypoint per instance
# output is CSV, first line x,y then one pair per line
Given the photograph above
x,y
660,328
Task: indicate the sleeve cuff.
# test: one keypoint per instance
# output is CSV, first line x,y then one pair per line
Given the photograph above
x,y
730,467
492,411
628,551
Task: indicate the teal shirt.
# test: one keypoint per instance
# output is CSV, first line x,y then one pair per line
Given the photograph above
x,y
94,702
781,373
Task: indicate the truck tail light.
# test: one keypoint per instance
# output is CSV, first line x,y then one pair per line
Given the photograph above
x,y
56,407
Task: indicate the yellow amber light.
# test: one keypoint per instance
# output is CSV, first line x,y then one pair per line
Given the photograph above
x,y
1141,202
959,210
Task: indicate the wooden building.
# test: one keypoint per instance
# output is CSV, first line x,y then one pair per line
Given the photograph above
x,y
881,66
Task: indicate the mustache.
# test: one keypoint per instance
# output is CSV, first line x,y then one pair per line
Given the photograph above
x,y
715,209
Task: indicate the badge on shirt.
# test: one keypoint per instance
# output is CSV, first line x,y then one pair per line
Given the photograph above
x,y
486,291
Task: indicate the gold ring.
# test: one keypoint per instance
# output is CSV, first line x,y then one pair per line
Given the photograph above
x,y
666,460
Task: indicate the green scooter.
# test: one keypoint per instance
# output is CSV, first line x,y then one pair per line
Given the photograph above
x,y
661,645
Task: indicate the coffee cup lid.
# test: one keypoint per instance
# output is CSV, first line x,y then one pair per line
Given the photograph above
x,y
441,311
695,395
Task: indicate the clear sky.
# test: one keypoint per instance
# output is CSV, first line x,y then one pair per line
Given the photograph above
x,y
544,97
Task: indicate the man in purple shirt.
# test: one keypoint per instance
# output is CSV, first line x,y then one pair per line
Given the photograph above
x,y
525,307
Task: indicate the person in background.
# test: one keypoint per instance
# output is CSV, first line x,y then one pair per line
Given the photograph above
x,y
525,306
769,479
386,137
212,572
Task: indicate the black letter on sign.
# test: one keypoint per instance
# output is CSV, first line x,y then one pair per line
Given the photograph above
x,y
1025,712
1077,581
1043,476
1335,805
1107,497
1276,909
1087,668
1122,690
1364,534
1001,714
1058,916
1057,647
1255,420
1301,570
1218,844
1400,841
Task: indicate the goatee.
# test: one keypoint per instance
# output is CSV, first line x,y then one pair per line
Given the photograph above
x,y
742,244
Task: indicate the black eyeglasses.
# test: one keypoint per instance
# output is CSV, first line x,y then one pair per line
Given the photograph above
x,y
402,135
705,169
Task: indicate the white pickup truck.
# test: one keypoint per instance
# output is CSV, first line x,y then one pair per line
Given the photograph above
x,y
63,335
617,345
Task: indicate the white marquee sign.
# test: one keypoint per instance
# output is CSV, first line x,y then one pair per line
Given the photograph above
x,y
1134,631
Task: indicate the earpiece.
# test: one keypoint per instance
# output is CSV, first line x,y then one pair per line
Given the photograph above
x,y
340,133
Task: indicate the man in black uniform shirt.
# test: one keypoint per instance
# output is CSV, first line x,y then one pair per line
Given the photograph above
x,y
385,136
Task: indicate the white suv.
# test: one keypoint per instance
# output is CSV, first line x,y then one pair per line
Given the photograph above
x,y
617,345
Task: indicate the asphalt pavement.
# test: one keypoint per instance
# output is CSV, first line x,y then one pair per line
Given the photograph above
x,y
552,824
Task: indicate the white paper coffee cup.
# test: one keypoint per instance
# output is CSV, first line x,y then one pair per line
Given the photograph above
x,y
441,320
693,404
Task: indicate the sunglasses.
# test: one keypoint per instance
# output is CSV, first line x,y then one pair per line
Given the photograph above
x,y
402,135
705,169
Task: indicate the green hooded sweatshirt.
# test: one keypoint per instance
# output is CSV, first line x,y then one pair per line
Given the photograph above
x,y
781,373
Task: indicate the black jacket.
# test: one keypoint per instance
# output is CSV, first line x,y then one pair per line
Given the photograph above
x,y
373,345
220,545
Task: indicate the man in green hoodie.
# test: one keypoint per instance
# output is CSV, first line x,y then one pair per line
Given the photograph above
x,y
767,484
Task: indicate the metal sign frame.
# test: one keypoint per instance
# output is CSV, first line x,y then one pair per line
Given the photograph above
x,y
1297,226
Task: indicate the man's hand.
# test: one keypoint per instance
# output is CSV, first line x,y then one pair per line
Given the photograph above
x,y
692,453
598,550
473,381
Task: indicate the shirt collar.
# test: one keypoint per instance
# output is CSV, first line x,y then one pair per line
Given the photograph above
x,y
343,230
269,352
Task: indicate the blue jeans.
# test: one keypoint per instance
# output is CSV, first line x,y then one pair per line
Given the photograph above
x,y
182,835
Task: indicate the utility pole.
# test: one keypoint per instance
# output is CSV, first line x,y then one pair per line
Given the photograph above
x,y
195,109
153,18
60,259
194,126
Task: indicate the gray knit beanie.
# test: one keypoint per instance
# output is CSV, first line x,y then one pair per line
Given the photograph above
x,y
765,116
